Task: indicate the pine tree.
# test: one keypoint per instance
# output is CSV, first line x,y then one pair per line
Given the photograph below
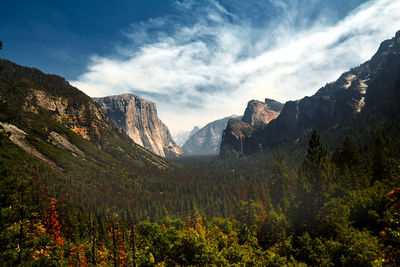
x,y
350,165
280,183
315,184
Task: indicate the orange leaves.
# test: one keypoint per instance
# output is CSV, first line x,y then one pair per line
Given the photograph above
x,y
394,196
53,226
77,256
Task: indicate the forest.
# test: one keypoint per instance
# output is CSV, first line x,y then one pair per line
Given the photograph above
x,y
336,207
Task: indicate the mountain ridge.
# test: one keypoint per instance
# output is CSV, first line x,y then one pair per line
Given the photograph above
x,y
368,88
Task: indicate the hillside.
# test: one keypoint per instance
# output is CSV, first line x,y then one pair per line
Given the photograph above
x,y
47,123
360,99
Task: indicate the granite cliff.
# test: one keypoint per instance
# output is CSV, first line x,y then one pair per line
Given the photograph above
x,y
137,117
257,114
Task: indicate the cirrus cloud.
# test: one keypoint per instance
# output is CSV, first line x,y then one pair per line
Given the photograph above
x,y
205,62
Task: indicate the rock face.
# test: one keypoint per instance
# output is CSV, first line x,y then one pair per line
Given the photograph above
x,y
207,140
257,114
235,138
364,92
137,117
83,118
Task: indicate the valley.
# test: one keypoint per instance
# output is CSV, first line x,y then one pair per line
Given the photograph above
x,y
100,181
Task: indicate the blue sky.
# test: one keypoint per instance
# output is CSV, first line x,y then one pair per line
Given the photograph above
x,y
198,60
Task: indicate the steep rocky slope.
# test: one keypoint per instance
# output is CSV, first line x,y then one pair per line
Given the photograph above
x,y
137,117
257,114
366,95
207,140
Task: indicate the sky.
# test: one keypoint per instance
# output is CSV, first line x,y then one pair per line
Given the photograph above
x,y
201,60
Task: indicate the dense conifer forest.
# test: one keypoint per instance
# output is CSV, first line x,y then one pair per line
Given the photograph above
x,y
338,207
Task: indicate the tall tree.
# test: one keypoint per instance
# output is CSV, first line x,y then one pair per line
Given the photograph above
x,y
351,166
315,184
280,183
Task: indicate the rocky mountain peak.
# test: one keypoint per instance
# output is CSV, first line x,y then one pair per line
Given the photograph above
x,y
235,137
137,117
259,113
273,104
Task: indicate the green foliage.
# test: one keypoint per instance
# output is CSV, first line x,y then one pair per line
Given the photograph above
x,y
274,230
359,248
315,185
280,183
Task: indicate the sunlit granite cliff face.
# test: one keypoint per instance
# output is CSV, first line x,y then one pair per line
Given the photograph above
x,y
260,113
365,95
137,117
257,114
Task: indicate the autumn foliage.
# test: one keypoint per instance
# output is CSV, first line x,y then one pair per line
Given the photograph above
x,y
52,224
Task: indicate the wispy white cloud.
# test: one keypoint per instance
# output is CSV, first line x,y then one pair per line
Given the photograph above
x,y
208,63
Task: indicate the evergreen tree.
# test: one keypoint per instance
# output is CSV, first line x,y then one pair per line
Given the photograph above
x,y
350,165
380,159
280,183
315,184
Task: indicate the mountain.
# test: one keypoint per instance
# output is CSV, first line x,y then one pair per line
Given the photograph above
x,y
137,117
207,140
55,141
257,115
181,137
260,113
46,116
365,96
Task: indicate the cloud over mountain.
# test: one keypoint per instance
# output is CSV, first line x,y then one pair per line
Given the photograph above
x,y
208,59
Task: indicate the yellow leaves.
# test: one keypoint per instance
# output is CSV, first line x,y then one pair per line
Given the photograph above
x,y
14,227
101,255
193,231
151,258
43,251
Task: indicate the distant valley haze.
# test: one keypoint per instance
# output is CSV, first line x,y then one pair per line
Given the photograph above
x,y
199,61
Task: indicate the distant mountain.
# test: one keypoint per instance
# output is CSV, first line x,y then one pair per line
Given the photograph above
x,y
181,137
137,117
257,115
365,97
207,140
